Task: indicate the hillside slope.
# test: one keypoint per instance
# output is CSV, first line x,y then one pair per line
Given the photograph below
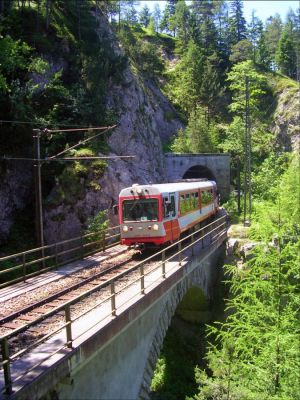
x,y
84,78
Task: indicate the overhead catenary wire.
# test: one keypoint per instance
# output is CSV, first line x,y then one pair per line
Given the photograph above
x,y
16,122
82,142
65,158
46,130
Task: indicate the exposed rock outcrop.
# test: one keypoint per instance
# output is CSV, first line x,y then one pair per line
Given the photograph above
x,y
145,120
15,193
286,124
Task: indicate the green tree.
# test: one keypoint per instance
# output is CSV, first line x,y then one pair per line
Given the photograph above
x,y
179,22
234,139
241,51
144,16
186,78
237,22
286,54
204,30
272,36
257,87
198,137
255,29
256,354
211,92
157,17
264,58
97,226
168,13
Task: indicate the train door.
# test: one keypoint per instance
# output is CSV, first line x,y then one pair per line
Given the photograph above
x,y
169,213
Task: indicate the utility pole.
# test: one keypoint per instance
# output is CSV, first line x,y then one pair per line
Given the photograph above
x,y
38,187
238,163
247,159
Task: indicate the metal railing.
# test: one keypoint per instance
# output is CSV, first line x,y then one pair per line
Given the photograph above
x,y
211,233
27,264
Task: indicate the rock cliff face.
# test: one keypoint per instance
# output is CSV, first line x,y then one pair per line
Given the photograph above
x,y
143,115
16,192
286,125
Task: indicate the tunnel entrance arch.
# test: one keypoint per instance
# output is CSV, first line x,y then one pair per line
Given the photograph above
x,y
199,172
198,166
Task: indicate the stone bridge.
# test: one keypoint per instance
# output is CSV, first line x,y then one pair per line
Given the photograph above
x,y
211,166
117,361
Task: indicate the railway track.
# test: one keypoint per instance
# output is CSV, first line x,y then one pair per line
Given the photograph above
x,y
73,283
23,326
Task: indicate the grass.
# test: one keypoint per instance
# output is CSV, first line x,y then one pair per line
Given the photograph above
x,y
238,231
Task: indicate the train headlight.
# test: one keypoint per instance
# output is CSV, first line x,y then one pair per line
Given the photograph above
x,y
155,227
125,228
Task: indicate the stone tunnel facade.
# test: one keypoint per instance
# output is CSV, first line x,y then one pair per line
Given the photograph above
x,y
211,166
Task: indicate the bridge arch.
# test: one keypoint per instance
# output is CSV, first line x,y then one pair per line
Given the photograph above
x,y
171,306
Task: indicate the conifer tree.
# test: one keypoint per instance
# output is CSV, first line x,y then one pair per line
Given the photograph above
x,y
286,54
157,17
144,16
237,22
257,353
255,30
203,26
168,13
264,58
186,79
272,36
180,23
198,137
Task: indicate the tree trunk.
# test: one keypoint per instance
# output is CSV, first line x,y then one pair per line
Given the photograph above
x,y
48,12
79,19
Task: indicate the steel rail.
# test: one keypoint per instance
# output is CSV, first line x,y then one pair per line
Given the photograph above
x,y
103,243
55,296
103,284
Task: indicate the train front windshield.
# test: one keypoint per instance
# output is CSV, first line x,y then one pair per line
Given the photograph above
x,y
140,210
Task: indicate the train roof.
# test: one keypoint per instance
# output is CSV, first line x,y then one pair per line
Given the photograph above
x,y
168,187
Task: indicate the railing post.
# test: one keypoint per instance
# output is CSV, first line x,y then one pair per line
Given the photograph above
x,y
163,264
179,251
193,241
56,259
81,246
24,266
142,279
103,241
68,326
6,366
113,299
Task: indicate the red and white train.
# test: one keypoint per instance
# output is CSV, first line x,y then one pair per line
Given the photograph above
x,y
158,214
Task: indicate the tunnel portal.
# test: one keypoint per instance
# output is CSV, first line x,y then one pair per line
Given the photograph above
x,y
196,166
199,172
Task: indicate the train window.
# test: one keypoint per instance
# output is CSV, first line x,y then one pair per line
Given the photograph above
x,y
189,202
182,203
169,207
173,206
140,210
206,197
166,211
